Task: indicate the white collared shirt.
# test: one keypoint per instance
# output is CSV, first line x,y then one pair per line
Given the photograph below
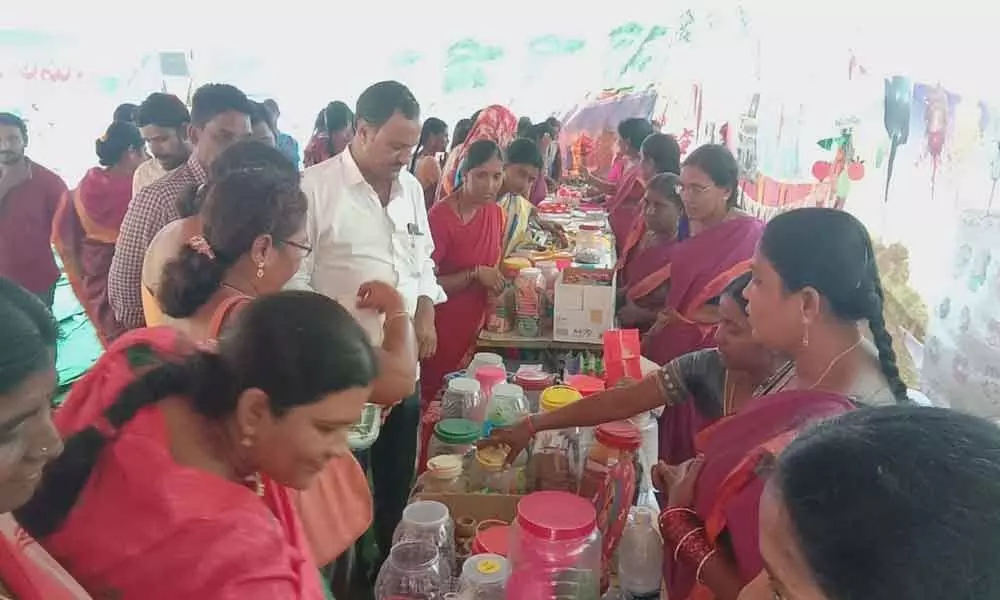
x,y
355,239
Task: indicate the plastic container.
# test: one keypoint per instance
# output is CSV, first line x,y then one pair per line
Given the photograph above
x,y
414,570
533,382
550,275
555,550
488,377
462,397
454,436
484,577
482,359
507,405
529,292
587,385
445,474
363,434
501,307
640,556
429,522
648,456
492,540
488,475
609,482
556,454
590,246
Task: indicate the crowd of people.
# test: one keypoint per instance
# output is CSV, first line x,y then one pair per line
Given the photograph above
x,y
205,454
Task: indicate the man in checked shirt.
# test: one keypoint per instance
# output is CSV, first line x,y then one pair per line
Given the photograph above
x,y
220,117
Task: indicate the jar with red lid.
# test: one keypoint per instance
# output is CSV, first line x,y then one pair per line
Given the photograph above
x,y
609,482
555,549
533,382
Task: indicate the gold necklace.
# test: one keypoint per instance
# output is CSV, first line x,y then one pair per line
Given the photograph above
x,y
834,362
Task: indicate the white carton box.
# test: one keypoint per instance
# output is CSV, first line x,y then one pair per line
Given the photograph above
x,y
584,305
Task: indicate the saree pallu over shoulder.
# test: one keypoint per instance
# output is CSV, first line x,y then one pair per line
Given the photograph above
x,y
703,266
727,493
496,123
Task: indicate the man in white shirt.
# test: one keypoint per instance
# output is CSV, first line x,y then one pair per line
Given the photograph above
x,y
163,120
367,221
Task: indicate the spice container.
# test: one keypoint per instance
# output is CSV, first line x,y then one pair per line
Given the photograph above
x,y
454,436
555,455
590,245
483,359
550,274
500,307
529,288
444,475
484,577
555,549
363,434
463,396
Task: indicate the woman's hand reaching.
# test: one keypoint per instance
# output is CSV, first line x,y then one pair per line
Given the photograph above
x,y
490,278
515,438
381,297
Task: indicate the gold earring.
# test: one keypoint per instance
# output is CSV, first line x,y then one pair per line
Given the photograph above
x,y
805,333
260,270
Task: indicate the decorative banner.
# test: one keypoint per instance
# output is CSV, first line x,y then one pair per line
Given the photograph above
x,y
960,365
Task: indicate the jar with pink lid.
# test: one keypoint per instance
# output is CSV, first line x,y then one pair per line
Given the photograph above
x,y
555,549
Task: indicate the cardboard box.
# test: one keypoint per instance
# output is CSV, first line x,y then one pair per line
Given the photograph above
x,y
584,304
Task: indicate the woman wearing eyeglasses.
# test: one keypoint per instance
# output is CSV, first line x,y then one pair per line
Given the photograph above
x,y
721,242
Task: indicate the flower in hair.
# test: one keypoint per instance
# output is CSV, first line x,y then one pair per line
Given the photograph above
x,y
200,245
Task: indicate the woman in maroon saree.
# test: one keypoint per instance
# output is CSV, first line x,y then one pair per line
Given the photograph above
x,y
644,276
722,242
625,196
467,227
85,227
814,281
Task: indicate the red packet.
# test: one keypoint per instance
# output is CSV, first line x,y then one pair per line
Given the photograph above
x,y
621,355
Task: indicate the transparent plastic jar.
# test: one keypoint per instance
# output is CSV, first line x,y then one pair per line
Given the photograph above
x,y
507,406
533,381
609,482
414,570
550,274
555,550
590,246
488,474
555,454
454,436
529,292
484,577
445,474
483,359
462,397
429,522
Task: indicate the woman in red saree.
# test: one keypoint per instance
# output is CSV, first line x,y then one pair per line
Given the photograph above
x,y
27,383
180,462
85,227
722,241
625,196
468,228
494,123
814,282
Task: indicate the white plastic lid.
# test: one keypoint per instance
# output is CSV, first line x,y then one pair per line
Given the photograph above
x,y
508,390
485,568
531,272
464,385
487,358
445,466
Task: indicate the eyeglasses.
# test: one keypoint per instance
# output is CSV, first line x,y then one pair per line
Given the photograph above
x,y
306,249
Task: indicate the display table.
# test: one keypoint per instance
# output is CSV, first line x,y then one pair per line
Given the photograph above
x,y
513,340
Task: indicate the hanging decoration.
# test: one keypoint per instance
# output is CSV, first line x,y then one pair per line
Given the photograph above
x,y
898,97
838,174
936,123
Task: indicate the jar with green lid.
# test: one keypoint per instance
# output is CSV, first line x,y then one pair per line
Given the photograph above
x,y
455,436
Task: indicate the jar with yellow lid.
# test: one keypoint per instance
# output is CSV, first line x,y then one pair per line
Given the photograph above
x,y
556,458
488,474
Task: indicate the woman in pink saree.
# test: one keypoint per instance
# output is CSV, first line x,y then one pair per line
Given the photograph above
x,y
494,123
722,241
814,282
